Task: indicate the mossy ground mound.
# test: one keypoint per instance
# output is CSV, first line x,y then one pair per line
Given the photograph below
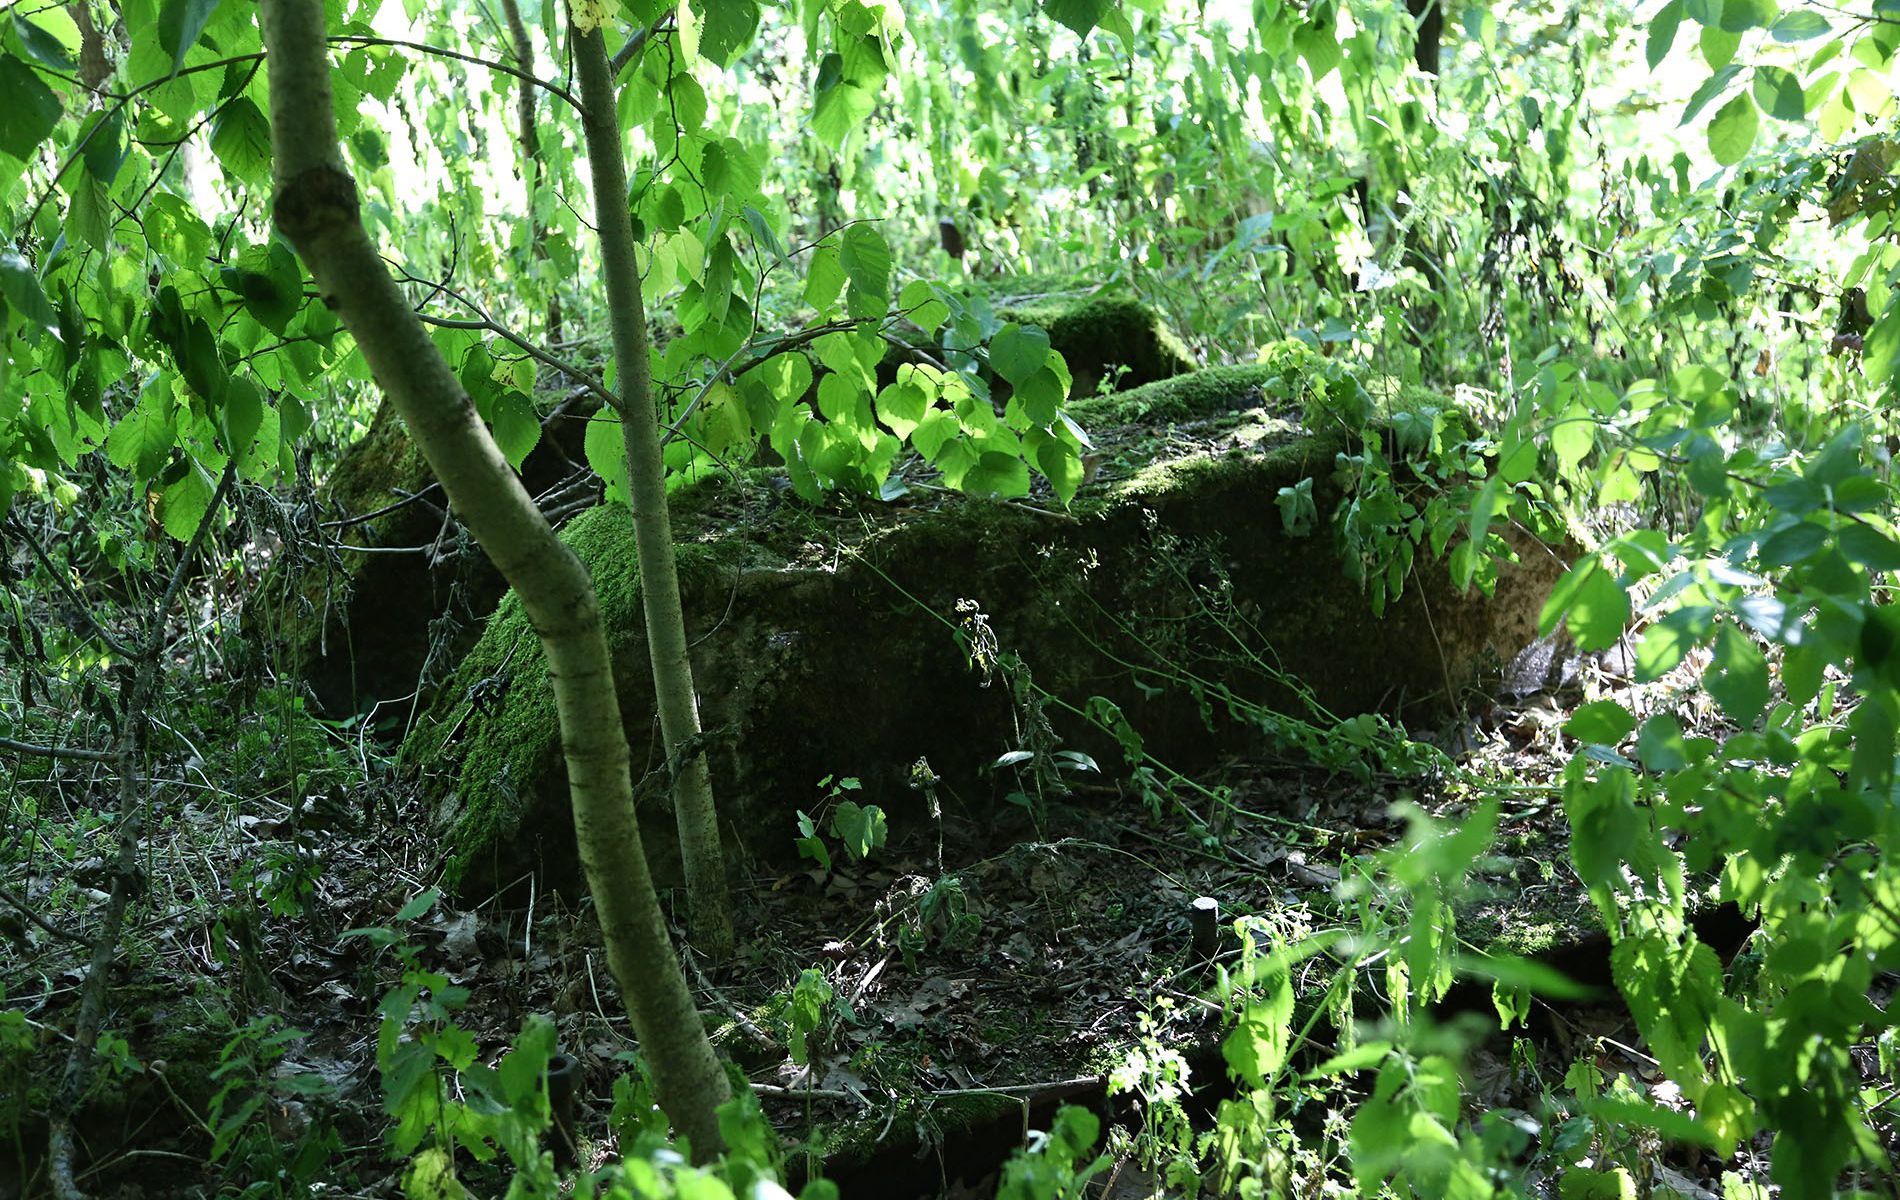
x,y
857,641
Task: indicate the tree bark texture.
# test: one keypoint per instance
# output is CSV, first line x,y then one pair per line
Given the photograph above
x,y
316,208
706,894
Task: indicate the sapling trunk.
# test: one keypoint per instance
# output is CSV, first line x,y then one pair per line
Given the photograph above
x,y
316,208
708,903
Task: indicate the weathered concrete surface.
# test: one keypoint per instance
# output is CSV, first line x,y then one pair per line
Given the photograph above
x,y
837,640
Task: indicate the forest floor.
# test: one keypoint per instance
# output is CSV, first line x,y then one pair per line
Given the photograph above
x,y
977,975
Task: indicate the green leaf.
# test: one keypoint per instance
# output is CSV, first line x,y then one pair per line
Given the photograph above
x,y
1738,677
1868,547
517,429
1718,46
142,440
1319,46
20,288
1662,33
1711,87
1603,721
718,286
920,304
607,453
1017,352
725,27
867,264
185,502
240,137
269,282
1079,15
1262,1038
1732,132
825,278
28,109
861,827
104,136
1779,93
1660,744
840,104
997,475
1666,642
1740,16
901,407
1799,27
180,24
241,415
1061,464
1574,435
1594,603
42,46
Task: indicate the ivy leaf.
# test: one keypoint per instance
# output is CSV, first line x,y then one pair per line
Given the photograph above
x,y
180,24
28,109
20,287
1732,132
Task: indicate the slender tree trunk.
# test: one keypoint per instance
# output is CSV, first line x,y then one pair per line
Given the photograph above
x,y
707,899
528,132
316,208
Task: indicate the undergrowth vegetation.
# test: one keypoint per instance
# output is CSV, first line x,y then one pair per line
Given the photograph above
x,y
1612,285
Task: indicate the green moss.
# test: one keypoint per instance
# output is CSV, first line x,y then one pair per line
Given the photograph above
x,y
1112,338
924,1122
513,745
1182,398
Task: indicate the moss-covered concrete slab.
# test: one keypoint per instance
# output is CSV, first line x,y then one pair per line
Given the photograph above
x,y
861,639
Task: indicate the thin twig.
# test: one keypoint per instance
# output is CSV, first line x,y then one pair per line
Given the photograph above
x,y
73,752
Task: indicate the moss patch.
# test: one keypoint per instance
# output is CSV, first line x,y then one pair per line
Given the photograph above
x,y
1110,338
